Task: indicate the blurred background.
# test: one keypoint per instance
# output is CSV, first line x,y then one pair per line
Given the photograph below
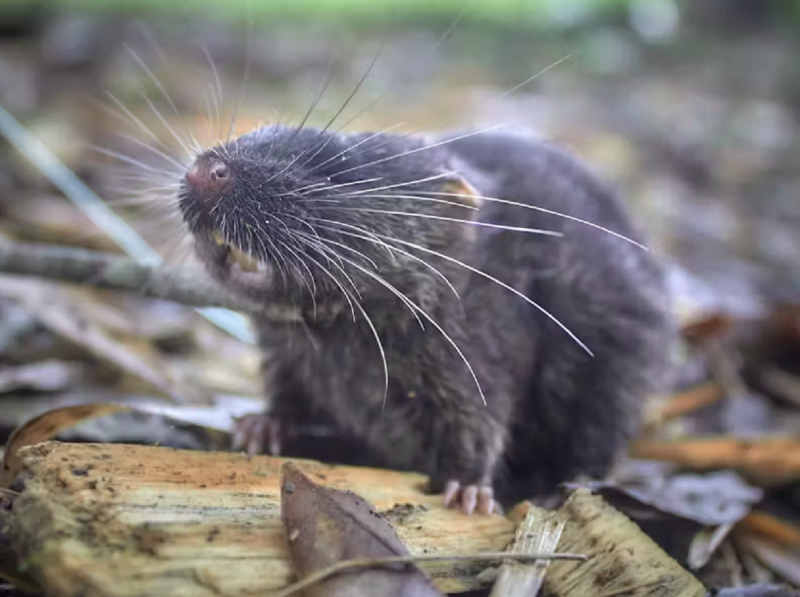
x,y
690,109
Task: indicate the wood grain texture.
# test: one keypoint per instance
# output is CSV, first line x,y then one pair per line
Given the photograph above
x,y
622,559
99,520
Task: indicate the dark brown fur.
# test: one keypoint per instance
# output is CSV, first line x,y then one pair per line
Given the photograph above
x,y
552,411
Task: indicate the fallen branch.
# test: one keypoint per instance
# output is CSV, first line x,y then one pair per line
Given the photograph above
x,y
188,286
366,563
112,519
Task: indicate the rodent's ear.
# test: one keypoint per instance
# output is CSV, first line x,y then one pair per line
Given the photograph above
x,y
459,190
459,194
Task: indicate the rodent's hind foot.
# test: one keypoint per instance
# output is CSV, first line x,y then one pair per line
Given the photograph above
x,y
253,433
470,498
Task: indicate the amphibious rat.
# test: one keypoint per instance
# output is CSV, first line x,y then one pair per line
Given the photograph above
x,y
473,306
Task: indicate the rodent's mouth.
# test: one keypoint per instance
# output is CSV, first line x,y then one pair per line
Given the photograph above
x,y
236,261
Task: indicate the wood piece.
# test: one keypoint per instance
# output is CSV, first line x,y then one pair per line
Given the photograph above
x,y
770,459
779,531
622,559
101,520
538,532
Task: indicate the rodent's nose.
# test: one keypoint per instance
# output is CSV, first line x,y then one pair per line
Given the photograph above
x,y
208,174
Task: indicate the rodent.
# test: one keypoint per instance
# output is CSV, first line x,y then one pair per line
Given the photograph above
x,y
359,230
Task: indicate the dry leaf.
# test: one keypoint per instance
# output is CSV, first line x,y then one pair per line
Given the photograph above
x,y
715,502
785,322
712,499
707,328
45,427
325,526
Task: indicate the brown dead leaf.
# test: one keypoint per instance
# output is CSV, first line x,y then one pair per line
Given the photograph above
x,y
784,322
771,459
45,427
707,328
325,526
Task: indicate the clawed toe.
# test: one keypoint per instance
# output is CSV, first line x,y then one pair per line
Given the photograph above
x,y
253,432
470,498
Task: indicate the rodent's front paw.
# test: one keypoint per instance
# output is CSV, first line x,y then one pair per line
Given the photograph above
x,y
252,433
470,498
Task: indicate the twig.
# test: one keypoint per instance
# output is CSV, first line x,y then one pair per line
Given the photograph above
x,y
352,565
98,211
539,531
188,286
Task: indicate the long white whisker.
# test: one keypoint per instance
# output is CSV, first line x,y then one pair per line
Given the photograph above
x,y
135,119
419,149
129,160
325,252
328,242
152,77
152,149
316,185
345,197
336,222
416,307
525,82
324,144
167,126
455,220
387,246
284,169
547,211
375,335
246,74
402,184
496,281
354,146
217,97
300,274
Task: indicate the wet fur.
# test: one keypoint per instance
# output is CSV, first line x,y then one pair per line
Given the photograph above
x,y
552,410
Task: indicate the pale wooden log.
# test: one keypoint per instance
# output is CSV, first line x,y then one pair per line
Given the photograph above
x,y
98,520
622,559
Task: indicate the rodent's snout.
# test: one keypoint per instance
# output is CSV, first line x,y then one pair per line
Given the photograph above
x,y
208,175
